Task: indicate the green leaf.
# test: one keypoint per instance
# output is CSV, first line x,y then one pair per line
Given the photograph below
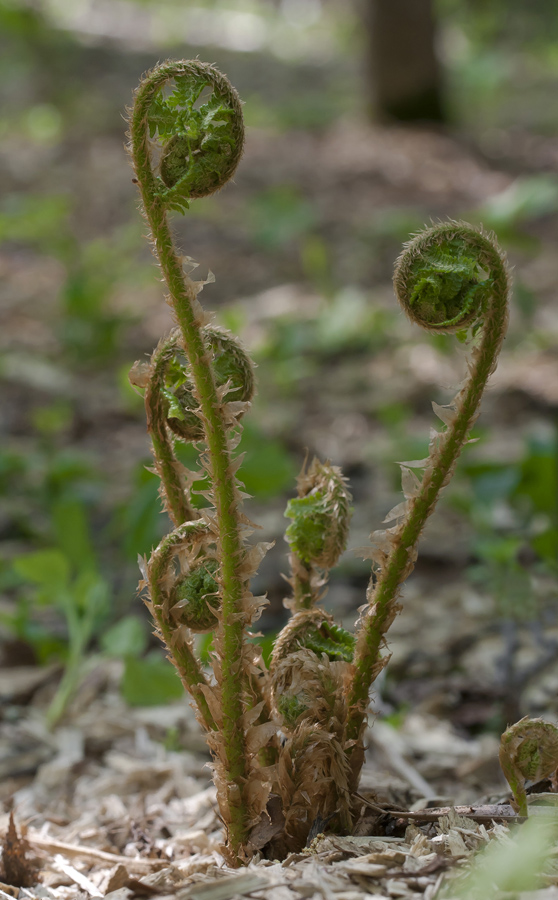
x,y
266,643
126,638
204,646
35,219
90,594
502,550
496,484
539,476
47,568
150,681
72,532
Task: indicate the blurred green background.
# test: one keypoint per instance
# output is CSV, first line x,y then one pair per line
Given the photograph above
x,y
302,247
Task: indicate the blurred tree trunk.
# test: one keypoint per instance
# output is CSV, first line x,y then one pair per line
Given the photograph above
x,y
403,70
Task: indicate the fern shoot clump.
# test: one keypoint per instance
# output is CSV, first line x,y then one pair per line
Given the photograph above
x,y
293,730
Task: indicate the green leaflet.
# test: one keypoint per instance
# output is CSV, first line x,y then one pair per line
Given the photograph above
x,y
201,141
231,365
332,640
306,533
446,286
195,596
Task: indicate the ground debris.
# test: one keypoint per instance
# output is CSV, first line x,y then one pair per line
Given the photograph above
x,y
16,868
114,815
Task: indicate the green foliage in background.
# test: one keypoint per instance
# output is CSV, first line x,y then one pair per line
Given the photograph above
x,y
66,578
514,510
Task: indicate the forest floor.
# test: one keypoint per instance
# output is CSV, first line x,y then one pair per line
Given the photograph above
x,y
118,800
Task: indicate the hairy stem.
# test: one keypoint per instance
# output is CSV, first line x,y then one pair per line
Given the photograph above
x,y
383,594
168,467
230,545
304,595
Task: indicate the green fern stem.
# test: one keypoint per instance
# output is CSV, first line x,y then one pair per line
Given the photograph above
x,y
305,596
492,303
168,467
230,544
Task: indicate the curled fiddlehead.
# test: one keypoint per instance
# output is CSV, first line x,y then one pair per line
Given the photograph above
x,y
186,145
311,660
201,143
313,770
309,671
318,532
192,546
312,630
194,597
528,751
170,403
440,283
448,278
173,486
234,372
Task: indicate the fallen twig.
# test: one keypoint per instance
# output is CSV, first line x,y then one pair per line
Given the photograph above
x,y
101,856
480,814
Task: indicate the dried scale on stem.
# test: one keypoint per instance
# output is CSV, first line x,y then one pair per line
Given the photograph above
x,y
293,732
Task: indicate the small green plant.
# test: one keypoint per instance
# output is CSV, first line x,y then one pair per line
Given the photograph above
x,y
294,728
67,579
528,751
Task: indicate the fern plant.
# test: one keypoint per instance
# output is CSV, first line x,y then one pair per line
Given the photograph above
x,y
293,730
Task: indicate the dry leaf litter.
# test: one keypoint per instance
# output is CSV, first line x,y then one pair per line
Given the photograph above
x,y
103,810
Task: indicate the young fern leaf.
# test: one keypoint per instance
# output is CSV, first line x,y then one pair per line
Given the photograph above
x,y
311,662
528,751
200,144
314,770
448,278
190,543
173,487
318,532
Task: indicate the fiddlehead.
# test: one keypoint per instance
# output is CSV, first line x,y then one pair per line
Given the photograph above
x,y
192,596
528,751
181,149
308,630
313,770
318,532
192,545
310,668
200,143
449,277
311,660
439,282
234,372
170,403
168,468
